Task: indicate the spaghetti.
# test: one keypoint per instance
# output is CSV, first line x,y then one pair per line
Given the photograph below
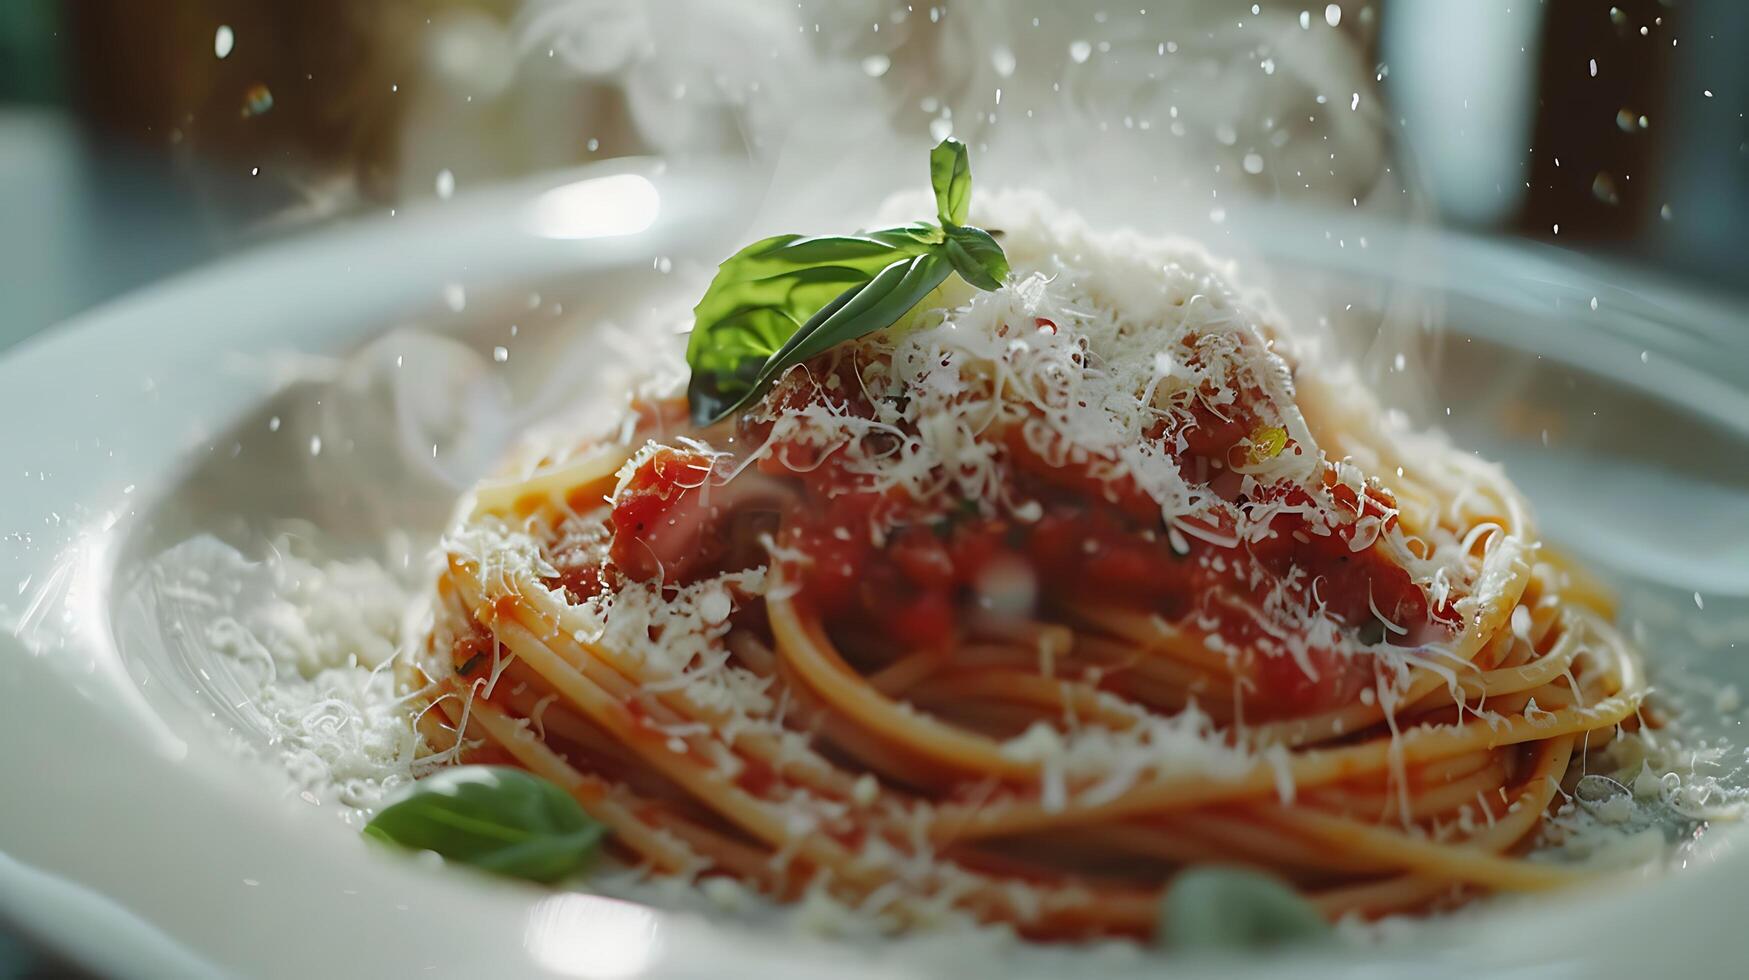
x,y
1026,604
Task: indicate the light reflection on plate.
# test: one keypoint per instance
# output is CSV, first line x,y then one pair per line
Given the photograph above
x,y
599,207
593,937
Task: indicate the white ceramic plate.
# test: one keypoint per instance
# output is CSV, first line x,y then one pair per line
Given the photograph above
x,y
134,838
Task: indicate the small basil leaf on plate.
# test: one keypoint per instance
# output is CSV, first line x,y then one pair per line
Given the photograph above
x,y
976,257
950,175
495,818
1235,909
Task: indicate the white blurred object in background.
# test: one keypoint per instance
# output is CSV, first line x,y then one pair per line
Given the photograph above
x,y
1463,80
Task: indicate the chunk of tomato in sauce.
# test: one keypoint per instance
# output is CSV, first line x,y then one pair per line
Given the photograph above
x,y
661,519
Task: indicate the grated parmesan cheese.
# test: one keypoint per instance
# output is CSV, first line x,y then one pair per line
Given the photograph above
x,y
301,649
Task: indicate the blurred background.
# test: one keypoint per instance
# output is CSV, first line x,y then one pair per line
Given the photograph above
x,y
140,139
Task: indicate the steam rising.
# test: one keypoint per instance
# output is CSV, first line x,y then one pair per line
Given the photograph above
x,y
1182,118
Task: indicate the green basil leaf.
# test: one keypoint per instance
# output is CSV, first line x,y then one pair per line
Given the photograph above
x,y
950,174
914,237
785,299
887,297
1235,909
857,312
724,372
976,257
495,818
762,294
